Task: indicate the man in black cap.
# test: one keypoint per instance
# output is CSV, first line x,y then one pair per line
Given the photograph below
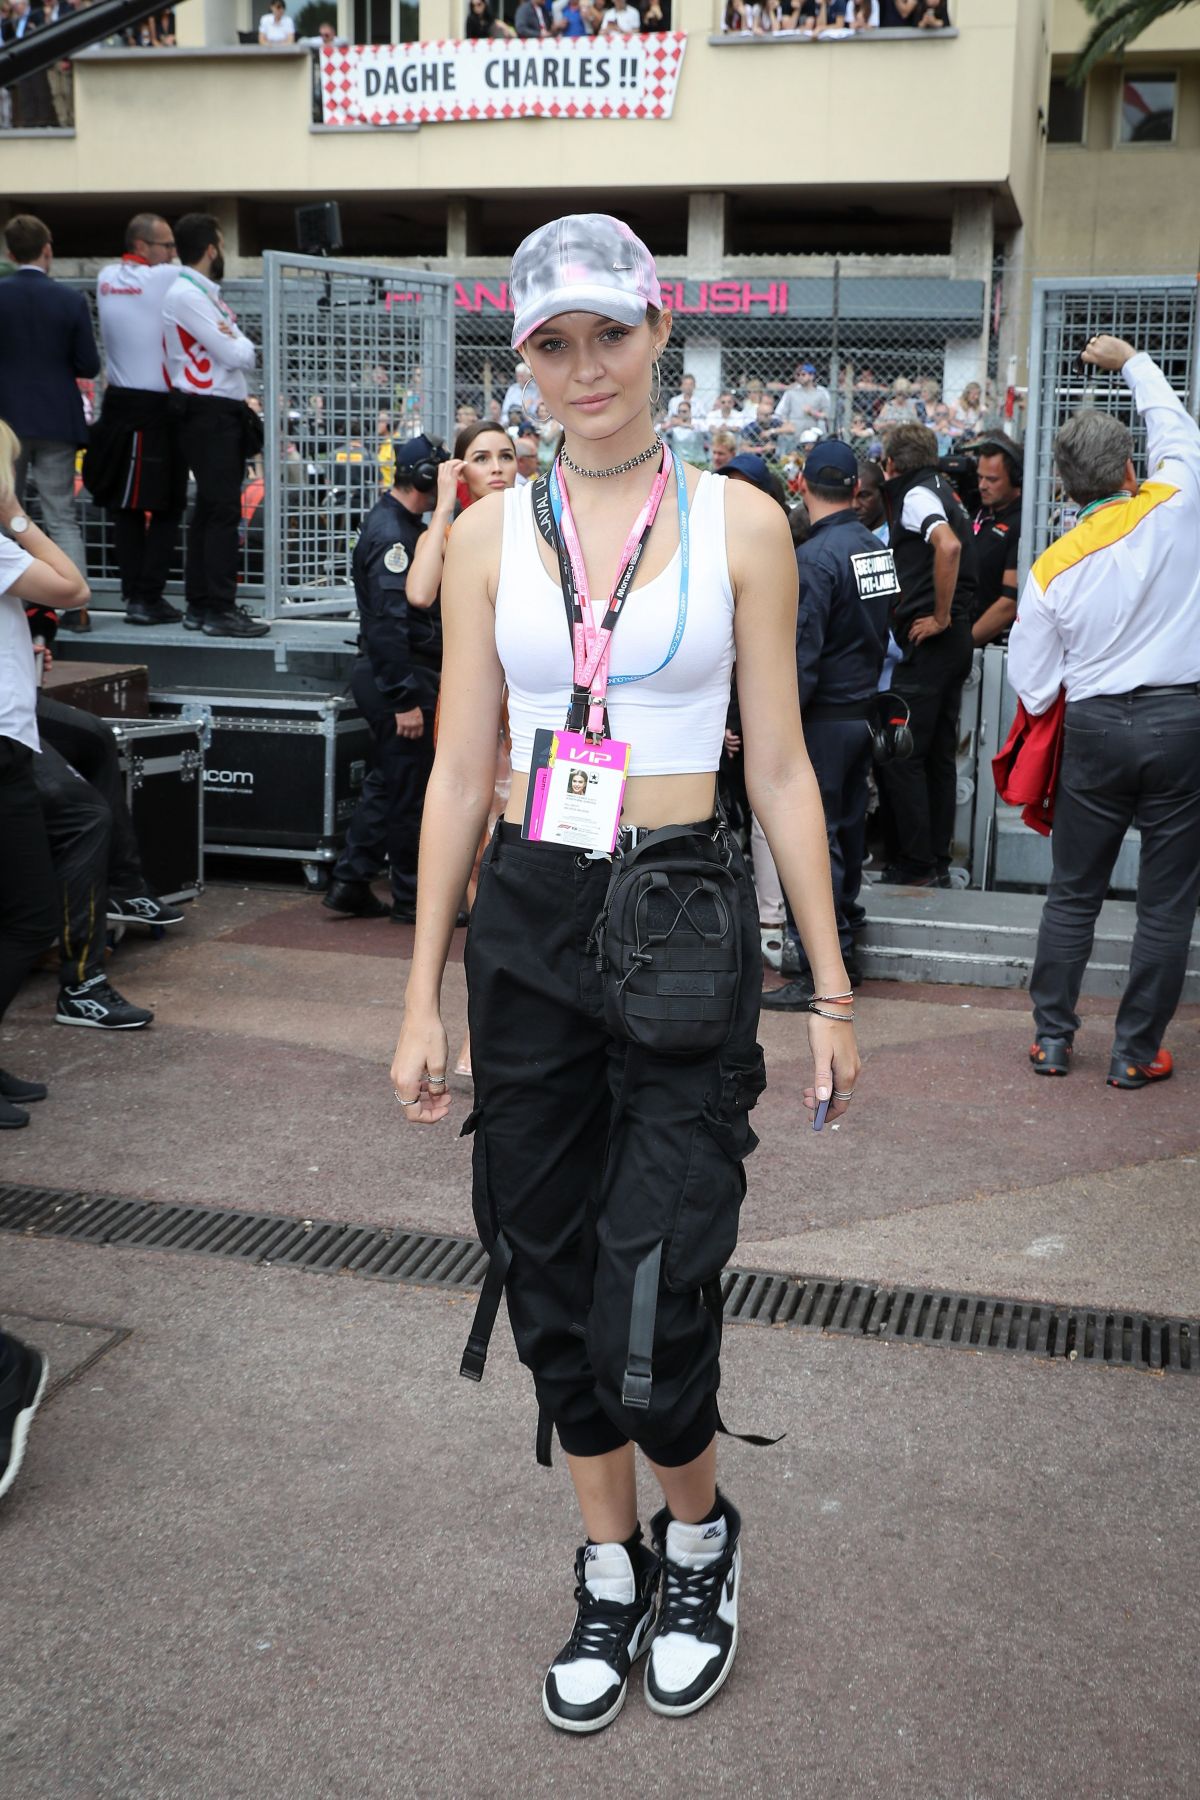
x,y
997,528
847,584
395,685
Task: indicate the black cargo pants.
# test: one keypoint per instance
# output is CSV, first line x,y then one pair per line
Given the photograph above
x,y
607,1182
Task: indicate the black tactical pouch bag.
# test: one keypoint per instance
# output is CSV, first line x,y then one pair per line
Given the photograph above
x,y
668,943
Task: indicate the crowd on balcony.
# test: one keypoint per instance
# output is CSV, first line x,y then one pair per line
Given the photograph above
x,y
832,18
564,18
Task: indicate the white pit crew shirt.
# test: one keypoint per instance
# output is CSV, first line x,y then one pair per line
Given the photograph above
x,y
201,357
129,300
1115,604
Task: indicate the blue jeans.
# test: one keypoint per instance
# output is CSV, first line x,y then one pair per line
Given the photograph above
x,y
1129,759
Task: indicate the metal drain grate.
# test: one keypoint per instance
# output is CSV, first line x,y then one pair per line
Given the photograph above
x,y
807,1302
322,1245
966,1321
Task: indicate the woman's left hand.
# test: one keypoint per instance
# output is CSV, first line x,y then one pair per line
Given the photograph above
x,y
836,1065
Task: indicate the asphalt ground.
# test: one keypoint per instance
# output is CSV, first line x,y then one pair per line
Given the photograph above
x,y
267,1543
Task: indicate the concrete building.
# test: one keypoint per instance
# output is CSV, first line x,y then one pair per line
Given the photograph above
x,y
862,196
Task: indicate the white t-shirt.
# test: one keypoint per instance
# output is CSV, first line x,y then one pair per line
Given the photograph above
x,y
282,33
922,512
621,18
129,299
18,669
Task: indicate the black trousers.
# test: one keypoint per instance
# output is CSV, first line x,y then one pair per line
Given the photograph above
x,y
607,1182
145,545
214,445
921,789
135,466
840,753
1130,759
79,828
89,746
387,820
28,910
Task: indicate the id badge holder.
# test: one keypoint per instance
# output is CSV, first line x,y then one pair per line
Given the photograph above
x,y
576,791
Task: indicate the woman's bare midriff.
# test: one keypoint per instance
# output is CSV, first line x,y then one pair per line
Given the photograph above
x,y
650,800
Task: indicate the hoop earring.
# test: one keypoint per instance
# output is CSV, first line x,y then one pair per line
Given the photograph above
x,y
655,387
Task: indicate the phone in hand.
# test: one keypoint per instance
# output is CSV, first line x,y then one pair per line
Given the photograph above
x,y
821,1114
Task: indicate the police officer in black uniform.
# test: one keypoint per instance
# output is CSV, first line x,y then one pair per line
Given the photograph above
x,y
395,685
847,583
997,528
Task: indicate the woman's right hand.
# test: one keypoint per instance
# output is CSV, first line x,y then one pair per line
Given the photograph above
x,y
419,1069
449,476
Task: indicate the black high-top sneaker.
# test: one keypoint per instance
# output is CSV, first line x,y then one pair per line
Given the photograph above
x,y
696,1640
586,1683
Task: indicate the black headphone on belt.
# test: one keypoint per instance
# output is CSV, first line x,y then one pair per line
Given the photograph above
x,y
891,733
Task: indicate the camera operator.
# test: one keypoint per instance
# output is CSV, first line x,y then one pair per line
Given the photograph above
x,y
395,685
997,528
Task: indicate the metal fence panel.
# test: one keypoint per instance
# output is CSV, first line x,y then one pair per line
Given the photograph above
x,y
357,358
1161,316
245,297
1157,315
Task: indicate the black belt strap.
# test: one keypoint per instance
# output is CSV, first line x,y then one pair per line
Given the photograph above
x,y
635,1389
715,1302
545,1429
475,1354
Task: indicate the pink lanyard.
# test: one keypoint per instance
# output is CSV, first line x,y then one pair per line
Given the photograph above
x,y
592,643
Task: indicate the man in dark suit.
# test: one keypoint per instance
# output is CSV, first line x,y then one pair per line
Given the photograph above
x,y
46,345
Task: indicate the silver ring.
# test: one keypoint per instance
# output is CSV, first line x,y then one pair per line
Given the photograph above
x,y
435,1081
848,1096
415,1102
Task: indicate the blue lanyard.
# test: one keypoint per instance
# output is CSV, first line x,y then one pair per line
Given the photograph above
x,y
684,565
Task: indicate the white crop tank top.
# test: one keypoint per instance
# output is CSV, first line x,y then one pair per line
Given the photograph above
x,y
674,721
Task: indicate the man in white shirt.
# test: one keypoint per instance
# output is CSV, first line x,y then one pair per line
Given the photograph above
x,y
1111,614
135,465
207,360
621,18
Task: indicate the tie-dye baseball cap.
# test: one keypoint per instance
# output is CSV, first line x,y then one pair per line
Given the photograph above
x,y
587,262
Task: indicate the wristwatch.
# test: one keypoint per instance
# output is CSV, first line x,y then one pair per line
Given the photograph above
x,y
18,524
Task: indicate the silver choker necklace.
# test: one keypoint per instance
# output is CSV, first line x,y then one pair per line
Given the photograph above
x,y
617,468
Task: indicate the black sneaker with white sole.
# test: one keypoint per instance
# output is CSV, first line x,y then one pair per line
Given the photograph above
x,y
142,909
97,1003
23,1373
586,1684
696,1641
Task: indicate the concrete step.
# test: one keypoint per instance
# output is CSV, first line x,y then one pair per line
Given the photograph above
x,y
986,940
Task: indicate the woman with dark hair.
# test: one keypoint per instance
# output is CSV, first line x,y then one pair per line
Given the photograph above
x,y
608,1160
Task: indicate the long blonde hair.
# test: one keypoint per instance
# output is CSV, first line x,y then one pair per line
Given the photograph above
x,y
10,450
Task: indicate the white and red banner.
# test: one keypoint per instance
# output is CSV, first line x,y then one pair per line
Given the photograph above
x,y
614,76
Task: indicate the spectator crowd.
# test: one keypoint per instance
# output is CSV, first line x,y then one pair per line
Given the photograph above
x,y
832,18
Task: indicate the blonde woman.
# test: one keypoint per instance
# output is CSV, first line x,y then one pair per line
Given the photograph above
x,y
607,1177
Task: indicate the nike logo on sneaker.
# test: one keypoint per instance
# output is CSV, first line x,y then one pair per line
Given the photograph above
x,y
713,1531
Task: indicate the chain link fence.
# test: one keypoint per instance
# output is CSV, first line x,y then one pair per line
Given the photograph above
x,y
882,348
